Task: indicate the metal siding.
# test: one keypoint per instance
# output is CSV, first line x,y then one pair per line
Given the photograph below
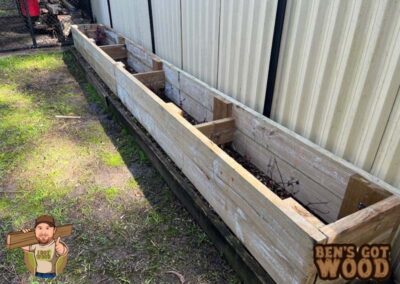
x,y
200,37
339,74
131,19
100,12
167,30
387,162
246,33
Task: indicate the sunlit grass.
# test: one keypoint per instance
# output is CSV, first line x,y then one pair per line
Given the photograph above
x,y
23,63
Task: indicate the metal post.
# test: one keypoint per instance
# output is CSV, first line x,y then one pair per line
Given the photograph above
x,y
151,27
109,13
273,63
28,15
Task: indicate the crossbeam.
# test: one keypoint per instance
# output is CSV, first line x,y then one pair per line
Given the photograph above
x,y
219,131
115,51
154,80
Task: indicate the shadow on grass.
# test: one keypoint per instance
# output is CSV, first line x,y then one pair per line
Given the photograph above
x,y
118,236
172,236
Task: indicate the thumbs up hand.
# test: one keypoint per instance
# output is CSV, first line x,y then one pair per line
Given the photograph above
x,y
60,247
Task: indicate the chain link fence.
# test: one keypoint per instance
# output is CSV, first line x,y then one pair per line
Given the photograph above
x,y
40,23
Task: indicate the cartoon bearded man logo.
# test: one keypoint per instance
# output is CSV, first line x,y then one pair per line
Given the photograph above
x,y
48,257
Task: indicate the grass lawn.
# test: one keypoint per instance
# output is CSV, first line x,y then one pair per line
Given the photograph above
x,y
128,226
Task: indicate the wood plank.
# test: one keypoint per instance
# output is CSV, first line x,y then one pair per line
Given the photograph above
x,y
376,223
198,92
115,51
157,64
194,108
20,239
277,225
174,108
226,242
323,203
140,53
360,193
221,108
303,212
154,80
219,131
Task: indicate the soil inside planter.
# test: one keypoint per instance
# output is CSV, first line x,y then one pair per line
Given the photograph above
x,y
281,189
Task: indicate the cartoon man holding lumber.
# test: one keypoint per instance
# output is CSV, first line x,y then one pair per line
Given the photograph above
x,y
45,255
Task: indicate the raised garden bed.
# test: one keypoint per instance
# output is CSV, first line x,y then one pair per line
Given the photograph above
x,y
324,199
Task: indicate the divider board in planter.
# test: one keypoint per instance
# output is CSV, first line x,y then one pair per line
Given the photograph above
x,y
279,233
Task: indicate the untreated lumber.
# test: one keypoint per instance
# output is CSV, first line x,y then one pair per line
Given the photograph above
x,y
222,108
157,64
293,204
175,108
360,193
255,214
115,51
20,239
225,241
279,233
154,80
374,224
220,131
68,116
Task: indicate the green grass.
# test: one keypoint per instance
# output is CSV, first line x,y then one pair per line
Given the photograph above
x,y
128,227
112,159
26,64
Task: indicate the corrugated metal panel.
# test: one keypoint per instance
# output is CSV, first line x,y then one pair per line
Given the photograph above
x,y
200,37
339,73
246,33
387,163
100,12
167,30
131,19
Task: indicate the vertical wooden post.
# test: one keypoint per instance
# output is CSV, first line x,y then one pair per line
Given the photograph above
x,y
222,109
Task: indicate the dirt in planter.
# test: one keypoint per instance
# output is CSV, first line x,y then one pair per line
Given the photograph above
x,y
278,188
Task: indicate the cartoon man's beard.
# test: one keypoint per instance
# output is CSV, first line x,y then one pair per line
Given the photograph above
x,y
43,239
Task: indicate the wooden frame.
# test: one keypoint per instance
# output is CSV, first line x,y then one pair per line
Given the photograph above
x,y
280,234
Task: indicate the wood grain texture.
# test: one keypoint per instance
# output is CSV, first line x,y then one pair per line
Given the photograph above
x,y
174,108
115,51
270,229
154,80
20,239
374,224
360,193
219,131
279,233
221,108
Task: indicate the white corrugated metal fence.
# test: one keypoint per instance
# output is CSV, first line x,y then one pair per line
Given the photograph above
x,y
338,75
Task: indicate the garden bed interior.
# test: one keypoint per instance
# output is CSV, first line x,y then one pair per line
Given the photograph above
x,y
279,193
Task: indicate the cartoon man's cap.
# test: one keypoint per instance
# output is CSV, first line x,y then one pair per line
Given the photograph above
x,y
45,219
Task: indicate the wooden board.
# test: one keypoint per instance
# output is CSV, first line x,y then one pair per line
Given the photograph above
x,y
172,107
360,193
278,233
219,131
233,250
154,80
263,223
101,62
374,224
20,239
115,51
221,108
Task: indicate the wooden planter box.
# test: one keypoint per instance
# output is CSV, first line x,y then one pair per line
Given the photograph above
x,y
334,202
